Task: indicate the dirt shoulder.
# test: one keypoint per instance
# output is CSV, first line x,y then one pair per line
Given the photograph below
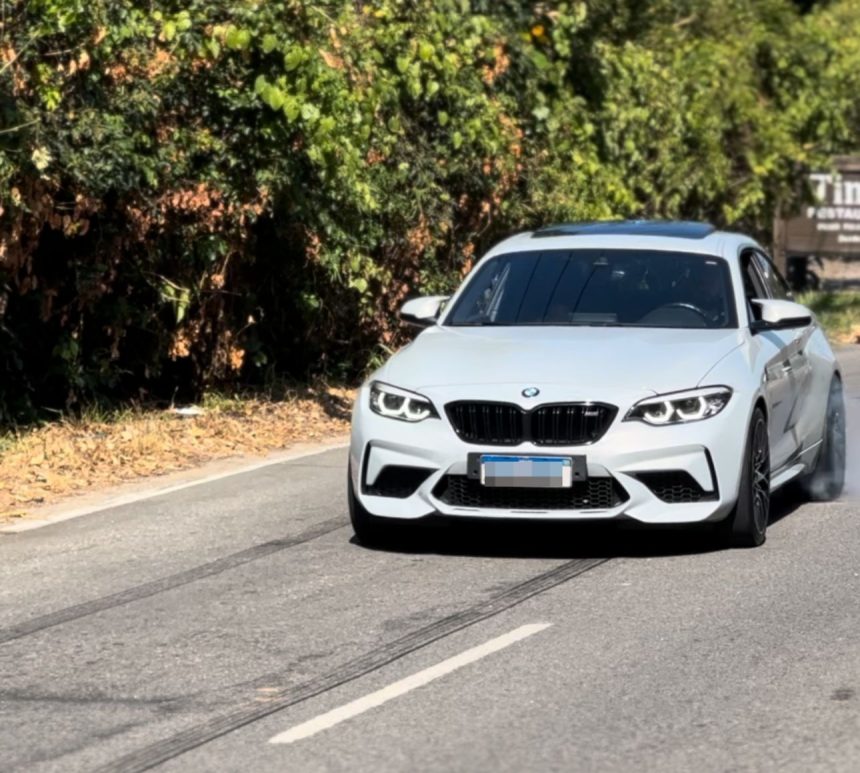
x,y
61,461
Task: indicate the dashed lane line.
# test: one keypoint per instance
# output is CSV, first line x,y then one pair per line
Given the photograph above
x,y
405,685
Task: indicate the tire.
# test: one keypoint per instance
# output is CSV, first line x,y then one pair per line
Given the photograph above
x,y
827,479
371,530
746,525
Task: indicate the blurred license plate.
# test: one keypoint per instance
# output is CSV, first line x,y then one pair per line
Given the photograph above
x,y
527,471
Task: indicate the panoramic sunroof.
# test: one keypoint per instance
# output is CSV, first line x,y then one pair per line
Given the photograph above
x,y
684,229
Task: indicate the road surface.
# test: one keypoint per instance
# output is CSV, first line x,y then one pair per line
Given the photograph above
x,y
236,626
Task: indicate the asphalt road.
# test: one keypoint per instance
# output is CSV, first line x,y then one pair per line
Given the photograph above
x,y
187,631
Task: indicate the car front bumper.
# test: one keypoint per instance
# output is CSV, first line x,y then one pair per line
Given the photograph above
x,y
709,452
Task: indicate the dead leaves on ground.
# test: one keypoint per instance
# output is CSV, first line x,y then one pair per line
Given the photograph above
x,y
850,337
71,457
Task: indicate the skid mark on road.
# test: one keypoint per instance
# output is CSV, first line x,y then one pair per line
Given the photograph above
x,y
168,583
252,710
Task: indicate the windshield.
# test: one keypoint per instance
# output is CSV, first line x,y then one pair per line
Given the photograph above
x,y
636,288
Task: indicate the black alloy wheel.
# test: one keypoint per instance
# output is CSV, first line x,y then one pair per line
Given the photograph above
x,y
746,525
760,464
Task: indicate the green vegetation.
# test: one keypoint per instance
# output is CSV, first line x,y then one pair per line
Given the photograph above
x,y
199,192
838,313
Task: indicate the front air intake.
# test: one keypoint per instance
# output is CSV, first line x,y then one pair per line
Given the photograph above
x,y
676,487
398,482
597,493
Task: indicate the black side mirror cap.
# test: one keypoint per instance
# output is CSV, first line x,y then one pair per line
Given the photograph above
x,y
760,326
409,319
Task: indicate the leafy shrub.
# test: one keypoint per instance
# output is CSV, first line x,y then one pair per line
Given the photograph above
x,y
200,192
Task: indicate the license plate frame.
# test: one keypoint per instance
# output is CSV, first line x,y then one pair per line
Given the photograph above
x,y
527,470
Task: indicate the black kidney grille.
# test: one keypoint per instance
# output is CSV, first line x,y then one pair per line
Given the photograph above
x,y
594,494
492,423
675,487
570,424
506,424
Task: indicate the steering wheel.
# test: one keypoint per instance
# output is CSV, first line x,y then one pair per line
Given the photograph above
x,y
689,307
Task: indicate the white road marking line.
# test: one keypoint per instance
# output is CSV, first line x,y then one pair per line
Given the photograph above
x,y
403,686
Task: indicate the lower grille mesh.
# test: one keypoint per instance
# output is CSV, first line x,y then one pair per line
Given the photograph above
x,y
397,482
676,487
593,494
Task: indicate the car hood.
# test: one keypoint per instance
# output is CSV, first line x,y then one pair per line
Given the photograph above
x,y
588,359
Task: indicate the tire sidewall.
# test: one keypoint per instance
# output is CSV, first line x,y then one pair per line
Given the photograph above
x,y
740,527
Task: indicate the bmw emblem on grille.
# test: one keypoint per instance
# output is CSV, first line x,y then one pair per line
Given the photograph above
x,y
531,392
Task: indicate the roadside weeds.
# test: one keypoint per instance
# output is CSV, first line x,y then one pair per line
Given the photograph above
x,y
837,311
73,456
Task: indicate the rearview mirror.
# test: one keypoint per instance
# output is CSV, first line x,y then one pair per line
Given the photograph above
x,y
423,312
780,315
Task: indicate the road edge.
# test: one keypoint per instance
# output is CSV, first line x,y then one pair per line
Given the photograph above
x,y
149,487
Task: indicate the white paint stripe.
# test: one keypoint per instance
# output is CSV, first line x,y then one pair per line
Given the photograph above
x,y
395,690
118,500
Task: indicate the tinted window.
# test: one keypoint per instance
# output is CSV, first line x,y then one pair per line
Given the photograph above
x,y
775,283
599,287
753,283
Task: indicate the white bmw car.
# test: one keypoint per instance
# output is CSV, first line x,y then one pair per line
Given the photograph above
x,y
648,370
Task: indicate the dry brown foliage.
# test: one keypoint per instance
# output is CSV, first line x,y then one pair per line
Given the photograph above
x,y
851,337
501,64
73,457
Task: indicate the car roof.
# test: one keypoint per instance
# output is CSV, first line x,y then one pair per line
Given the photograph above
x,y
665,235
684,229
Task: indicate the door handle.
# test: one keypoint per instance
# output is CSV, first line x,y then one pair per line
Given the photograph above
x,y
787,367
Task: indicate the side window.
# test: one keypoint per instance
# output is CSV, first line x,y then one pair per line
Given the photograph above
x,y
775,283
496,290
754,286
753,283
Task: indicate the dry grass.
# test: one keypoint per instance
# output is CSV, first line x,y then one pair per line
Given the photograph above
x,y
73,456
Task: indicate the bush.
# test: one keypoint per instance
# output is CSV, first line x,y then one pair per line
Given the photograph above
x,y
193,193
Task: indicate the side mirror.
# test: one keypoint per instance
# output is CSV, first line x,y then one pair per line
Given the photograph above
x,y
423,312
780,315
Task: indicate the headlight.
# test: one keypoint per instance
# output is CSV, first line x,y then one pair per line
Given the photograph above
x,y
397,403
681,407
